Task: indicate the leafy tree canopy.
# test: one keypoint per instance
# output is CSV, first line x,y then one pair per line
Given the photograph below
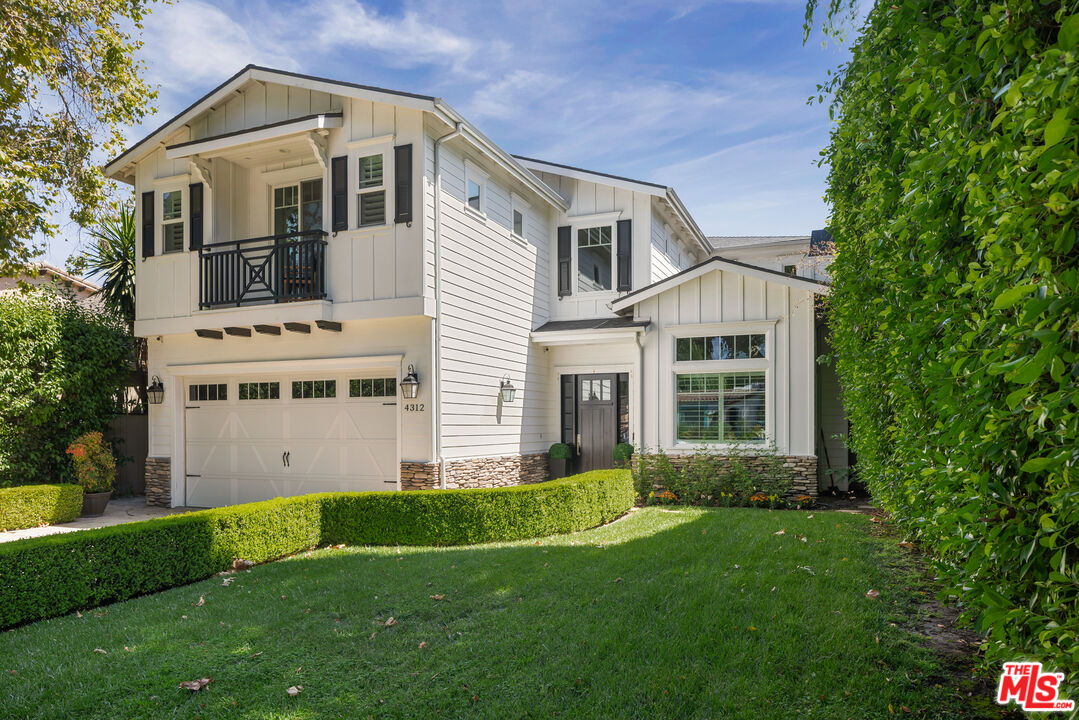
x,y
68,84
954,191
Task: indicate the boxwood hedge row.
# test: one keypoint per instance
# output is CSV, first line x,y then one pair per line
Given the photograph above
x,y
32,505
50,576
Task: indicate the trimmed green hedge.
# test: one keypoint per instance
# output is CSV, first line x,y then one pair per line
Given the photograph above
x,y
50,576
32,505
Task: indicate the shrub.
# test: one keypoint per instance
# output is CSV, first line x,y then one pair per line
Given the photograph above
x,y
33,505
954,187
95,466
623,452
49,576
735,477
560,451
61,365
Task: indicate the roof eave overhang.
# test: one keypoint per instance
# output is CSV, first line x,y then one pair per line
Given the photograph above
x,y
506,161
586,337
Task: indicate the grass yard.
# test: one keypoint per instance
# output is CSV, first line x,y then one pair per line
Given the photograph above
x,y
668,613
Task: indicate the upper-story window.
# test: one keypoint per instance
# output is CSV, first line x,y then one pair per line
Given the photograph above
x,y
172,221
475,188
298,207
371,191
594,256
517,215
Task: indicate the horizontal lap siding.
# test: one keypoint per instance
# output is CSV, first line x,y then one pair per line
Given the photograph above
x,y
494,291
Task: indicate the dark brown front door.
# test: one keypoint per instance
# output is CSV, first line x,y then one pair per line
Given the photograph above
x,y
597,422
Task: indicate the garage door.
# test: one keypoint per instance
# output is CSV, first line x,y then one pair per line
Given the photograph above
x,y
255,438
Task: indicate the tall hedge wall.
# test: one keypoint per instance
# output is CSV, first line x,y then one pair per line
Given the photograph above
x,y
49,576
954,187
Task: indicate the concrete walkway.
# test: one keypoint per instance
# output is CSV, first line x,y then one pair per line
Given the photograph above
x,y
119,510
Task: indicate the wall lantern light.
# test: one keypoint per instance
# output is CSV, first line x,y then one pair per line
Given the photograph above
x,y
506,388
410,386
155,393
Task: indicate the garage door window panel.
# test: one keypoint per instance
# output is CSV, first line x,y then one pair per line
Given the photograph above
x,y
313,389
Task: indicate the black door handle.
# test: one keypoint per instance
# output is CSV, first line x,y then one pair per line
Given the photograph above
x,y
283,459
288,459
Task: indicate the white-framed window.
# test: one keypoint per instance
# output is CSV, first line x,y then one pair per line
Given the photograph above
x,y
475,188
371,190
172,221
722,377
595,258
297,207
518,213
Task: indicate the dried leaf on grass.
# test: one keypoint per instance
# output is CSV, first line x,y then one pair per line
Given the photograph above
x,y
196,685
99,650
873,594
201,602
294,690
438,597
390,623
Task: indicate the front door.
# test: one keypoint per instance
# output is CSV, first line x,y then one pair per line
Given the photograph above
x,y
597,421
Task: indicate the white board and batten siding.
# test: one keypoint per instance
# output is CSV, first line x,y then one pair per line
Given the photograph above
x,y
718,303
363,264
494,291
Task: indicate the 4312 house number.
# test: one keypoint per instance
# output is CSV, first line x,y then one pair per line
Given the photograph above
x,y
413,407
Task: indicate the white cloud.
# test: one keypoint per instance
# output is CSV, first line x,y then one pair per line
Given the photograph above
x,y
408,40
193,45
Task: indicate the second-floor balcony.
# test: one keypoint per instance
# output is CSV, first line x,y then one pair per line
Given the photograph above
x,y
260,271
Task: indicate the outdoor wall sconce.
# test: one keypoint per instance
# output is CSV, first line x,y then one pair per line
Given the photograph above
x,y
506,388
155,393
410,386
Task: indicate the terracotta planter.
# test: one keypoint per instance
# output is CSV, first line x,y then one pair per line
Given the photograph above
x,y
558,467
93,504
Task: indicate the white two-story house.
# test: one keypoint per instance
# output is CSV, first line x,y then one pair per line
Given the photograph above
x,y
351,288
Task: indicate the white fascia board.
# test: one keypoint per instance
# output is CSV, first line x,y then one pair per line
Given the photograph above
x,y
254,135
148,144
585,337
502,158
716,263
577,174
687,219
343,89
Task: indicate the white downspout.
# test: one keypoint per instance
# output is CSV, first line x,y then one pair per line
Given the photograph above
x,y
640,389
437,335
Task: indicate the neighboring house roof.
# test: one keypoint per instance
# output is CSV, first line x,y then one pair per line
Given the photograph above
x,y
821,243
662,191
716,262
726,242
116,167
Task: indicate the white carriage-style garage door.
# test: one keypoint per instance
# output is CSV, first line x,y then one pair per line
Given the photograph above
x,y
255,438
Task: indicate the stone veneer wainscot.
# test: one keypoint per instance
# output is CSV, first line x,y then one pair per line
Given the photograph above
x,y
159,481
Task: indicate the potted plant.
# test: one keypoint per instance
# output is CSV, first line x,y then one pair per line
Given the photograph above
x,y
623,452
558,458
95,467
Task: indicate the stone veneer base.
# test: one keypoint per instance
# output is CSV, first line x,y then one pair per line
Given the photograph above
x,y
803,467
159,481
487,472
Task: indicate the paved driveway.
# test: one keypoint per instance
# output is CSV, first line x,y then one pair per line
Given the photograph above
x,y
119,510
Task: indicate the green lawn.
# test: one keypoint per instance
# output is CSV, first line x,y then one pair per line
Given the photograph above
x,y
668,613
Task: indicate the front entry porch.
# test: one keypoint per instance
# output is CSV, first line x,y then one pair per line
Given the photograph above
x,y
595,417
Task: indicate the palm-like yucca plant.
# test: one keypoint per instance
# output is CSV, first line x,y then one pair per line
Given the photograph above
x,y
112,258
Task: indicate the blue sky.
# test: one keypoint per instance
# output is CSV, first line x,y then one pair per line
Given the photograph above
x,y
709,97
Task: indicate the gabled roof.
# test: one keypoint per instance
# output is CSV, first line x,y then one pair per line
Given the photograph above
x,y
661,191
718,263
426,103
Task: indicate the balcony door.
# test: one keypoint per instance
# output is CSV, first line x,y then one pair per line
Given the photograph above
x,y
297,209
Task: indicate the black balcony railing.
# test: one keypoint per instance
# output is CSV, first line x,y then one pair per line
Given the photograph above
x,y
259,271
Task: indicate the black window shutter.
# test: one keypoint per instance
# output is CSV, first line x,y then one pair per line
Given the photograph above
x,y
569,410
564,261
148,224
402,173
625,256
194,195
339,189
